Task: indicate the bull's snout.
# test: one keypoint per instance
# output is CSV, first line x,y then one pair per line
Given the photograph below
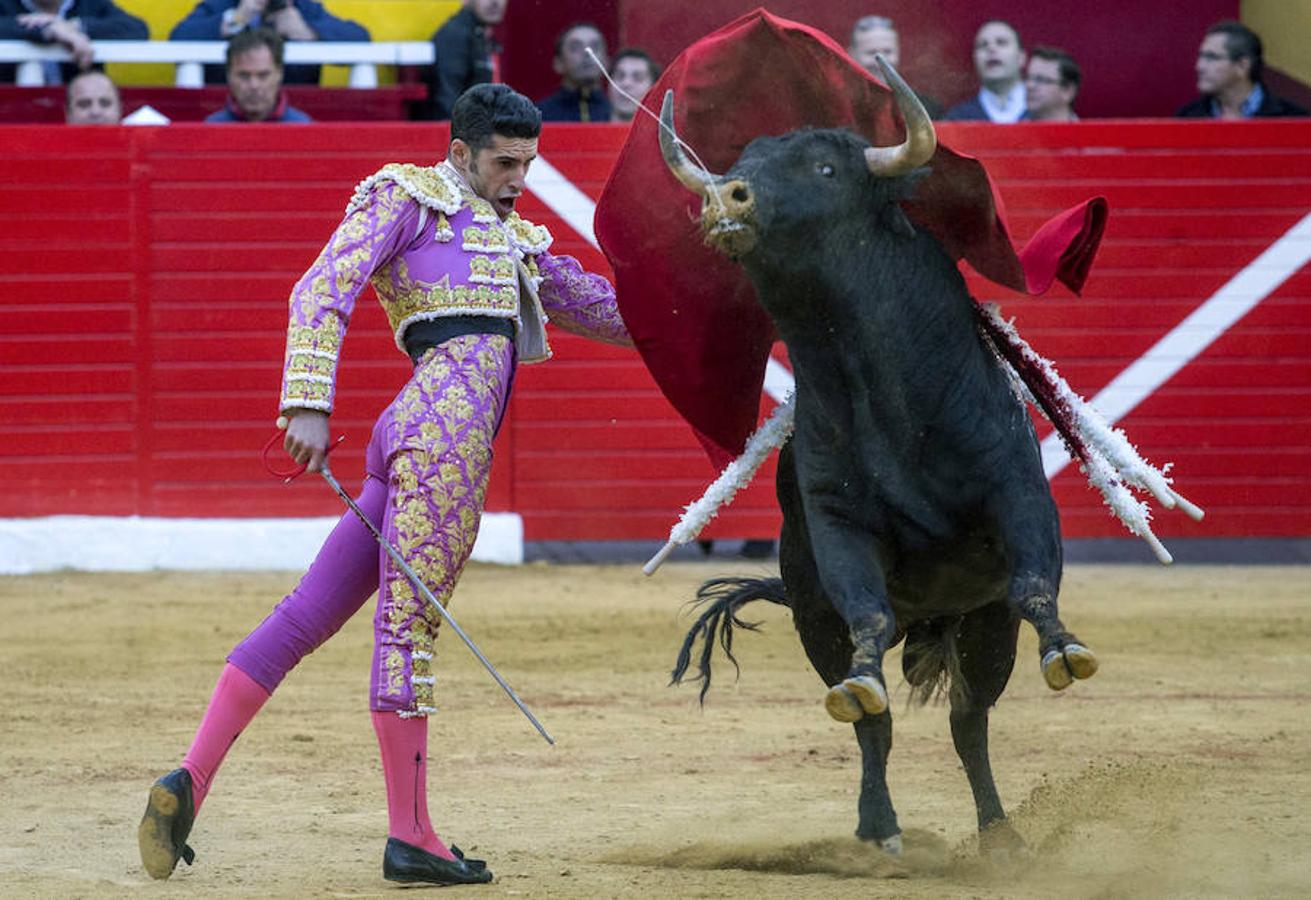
x,y
727,217
735,199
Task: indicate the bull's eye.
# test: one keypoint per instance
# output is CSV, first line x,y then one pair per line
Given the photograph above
x,y
824,169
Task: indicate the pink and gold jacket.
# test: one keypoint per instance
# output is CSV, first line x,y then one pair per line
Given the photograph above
x,y
433,248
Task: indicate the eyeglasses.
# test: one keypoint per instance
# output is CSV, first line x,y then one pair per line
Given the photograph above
x,y
1041,79
1212,56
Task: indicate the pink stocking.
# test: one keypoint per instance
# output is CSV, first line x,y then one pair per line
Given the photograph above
x,y
404,746
236,700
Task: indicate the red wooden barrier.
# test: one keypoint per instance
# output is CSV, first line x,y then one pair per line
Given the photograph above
x,y
144,275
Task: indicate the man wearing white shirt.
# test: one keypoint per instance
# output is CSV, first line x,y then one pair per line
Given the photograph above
x,y
999,59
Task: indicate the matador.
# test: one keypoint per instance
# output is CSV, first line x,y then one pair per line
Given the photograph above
x,y
467,285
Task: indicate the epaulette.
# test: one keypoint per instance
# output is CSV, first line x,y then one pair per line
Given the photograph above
x,y
427,185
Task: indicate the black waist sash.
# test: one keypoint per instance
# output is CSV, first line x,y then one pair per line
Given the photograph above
x,y
428,333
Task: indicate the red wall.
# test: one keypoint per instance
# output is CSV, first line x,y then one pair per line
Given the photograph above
x,y
1137,58
144,275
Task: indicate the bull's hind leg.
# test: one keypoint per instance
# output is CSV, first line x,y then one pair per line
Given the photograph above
x,y
982,653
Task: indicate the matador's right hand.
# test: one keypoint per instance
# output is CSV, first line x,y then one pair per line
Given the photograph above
x,y
307,438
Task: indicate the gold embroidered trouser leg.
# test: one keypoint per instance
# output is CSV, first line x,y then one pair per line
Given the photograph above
x,y
438,439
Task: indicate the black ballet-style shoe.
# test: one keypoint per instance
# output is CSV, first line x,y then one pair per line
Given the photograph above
x,y
408,864
468,860
170,813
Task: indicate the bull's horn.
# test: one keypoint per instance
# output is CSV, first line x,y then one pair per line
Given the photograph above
x,y
920,141
693,177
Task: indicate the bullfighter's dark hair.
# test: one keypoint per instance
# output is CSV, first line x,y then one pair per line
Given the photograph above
x,y
1241,41
1071,74
574,26
250,38
636,53
485,110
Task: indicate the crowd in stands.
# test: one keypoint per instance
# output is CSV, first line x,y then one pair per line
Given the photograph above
x,y
1015,84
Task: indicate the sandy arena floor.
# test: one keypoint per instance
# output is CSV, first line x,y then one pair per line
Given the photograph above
x,y
1180,770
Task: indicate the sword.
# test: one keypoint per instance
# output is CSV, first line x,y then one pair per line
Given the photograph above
x,y
428,595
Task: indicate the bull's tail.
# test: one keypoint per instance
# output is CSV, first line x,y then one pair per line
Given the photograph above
x,y
726,596
931,661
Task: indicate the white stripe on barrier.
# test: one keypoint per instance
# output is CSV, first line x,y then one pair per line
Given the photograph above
x,y
563,198
1239,296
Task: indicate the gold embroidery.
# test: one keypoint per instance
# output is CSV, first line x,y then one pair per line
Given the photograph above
x,y
491,239
395,665
425,184
527,237
311,361
492,270
483,211
405,298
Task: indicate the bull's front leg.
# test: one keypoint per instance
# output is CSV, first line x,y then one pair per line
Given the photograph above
x,y
853,580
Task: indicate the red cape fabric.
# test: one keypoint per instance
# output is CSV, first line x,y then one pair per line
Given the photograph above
x,y
692,312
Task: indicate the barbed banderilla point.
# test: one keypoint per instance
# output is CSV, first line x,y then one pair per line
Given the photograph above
x,y
427,595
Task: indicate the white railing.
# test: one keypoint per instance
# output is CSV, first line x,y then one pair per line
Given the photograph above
x,y
190,56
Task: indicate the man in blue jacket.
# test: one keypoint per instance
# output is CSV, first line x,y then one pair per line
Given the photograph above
x,y
293,20
255,81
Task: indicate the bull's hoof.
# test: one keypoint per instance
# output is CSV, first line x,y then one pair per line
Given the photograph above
x,y
1061,666
855,697
1001,844
890,845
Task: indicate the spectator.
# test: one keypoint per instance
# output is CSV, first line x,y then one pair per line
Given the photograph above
x,y
92,99
877,35
466,52
580,98
1229,70
293,20
999,62
874,35
73,24
255,80
633,71
1050,85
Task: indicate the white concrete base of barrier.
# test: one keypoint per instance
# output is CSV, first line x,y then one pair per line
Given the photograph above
x,y
136,544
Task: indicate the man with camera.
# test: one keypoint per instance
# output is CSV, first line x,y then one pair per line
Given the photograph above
x,y
292,20
255,80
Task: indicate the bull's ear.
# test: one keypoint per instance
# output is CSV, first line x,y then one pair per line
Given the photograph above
x,y
907,184
895,221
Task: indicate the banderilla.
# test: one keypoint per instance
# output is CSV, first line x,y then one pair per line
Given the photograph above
x,y
427,595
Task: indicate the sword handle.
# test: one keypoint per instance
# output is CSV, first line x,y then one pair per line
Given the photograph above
x,y
290,475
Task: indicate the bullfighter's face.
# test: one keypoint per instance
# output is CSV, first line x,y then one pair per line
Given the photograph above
x,y
498,171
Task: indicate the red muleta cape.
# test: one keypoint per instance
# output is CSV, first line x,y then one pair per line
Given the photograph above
x,y
692,312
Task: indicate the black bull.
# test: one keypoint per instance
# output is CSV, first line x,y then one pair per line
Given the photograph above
x,y
914,501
